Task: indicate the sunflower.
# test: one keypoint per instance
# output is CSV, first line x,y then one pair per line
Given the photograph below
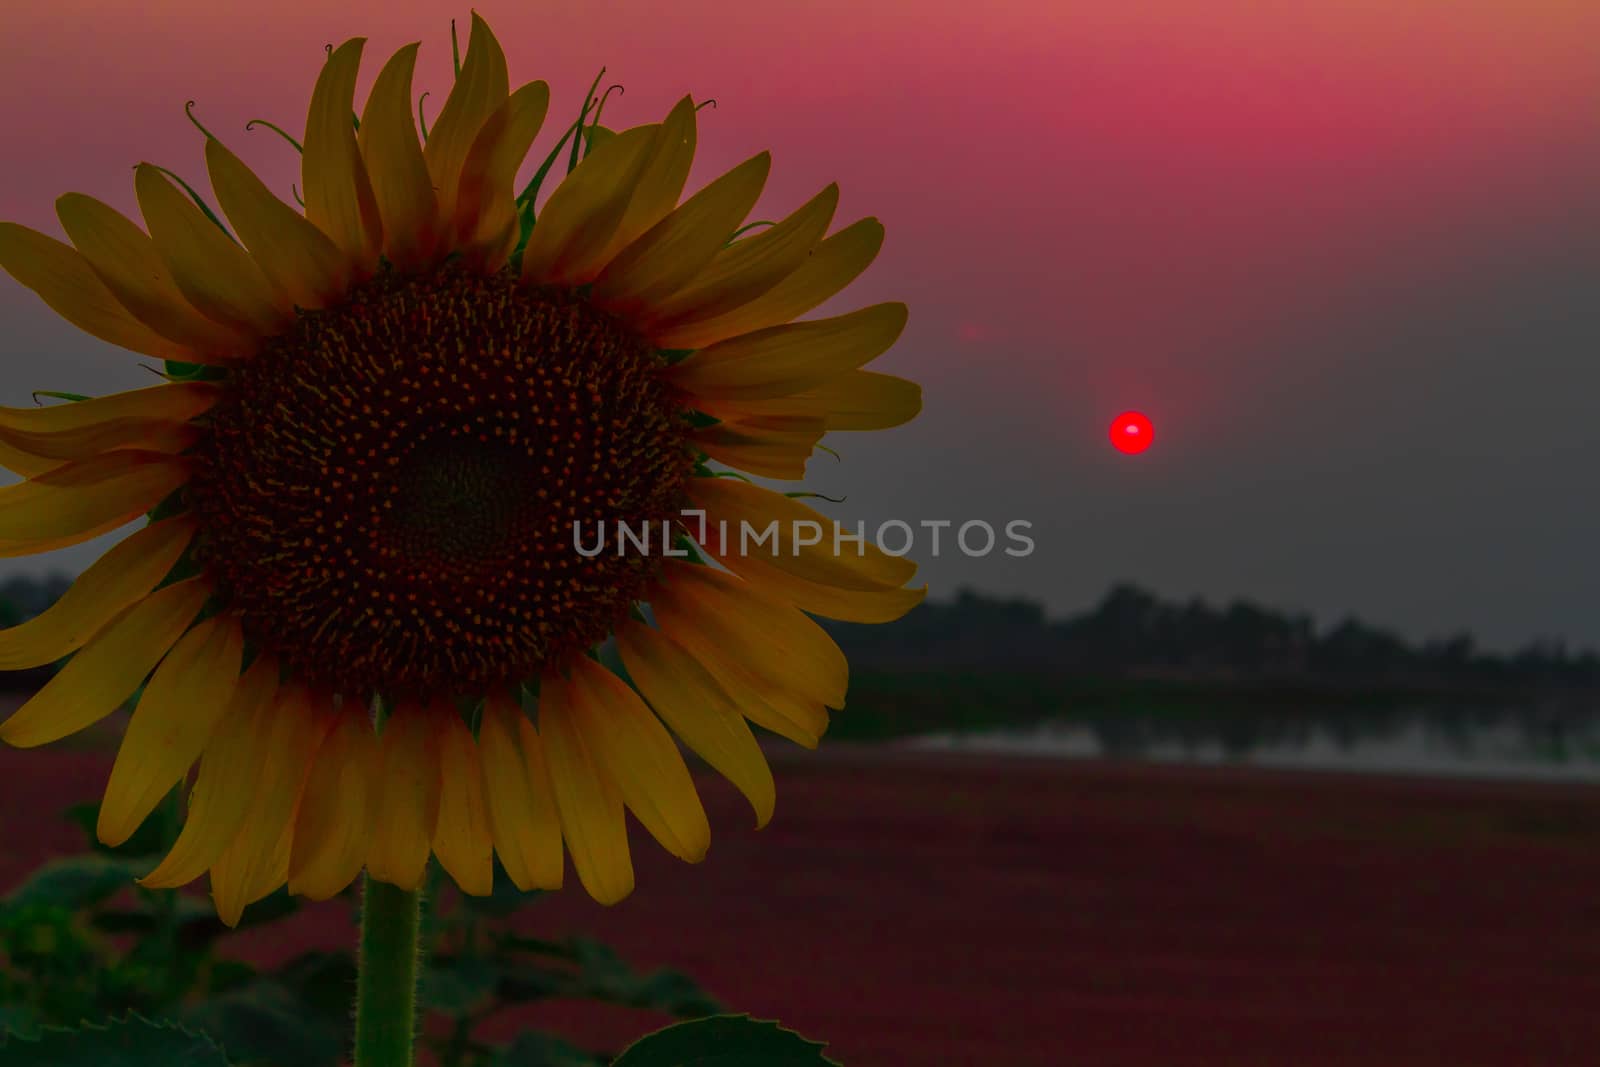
x,y
358,603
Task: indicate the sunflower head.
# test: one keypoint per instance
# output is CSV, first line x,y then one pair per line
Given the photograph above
x,y
360,602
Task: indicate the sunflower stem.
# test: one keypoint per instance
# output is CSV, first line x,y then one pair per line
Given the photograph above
x,y
386,976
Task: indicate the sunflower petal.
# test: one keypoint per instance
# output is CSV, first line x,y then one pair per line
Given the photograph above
x,y
699,711
831,560
69,500
409,809
764,697
772,447
217,276
67,283
748,268
169,730
225,783
783,360
257,861
338,190
145,435
639,755
169,403
829,601
673,251
774,637
121,578
127,262
25,464
660,182
855,400
522,812
333,827
109,669
400,179
302,263
832,265
589,805
480,88
576,225
486,215
463,840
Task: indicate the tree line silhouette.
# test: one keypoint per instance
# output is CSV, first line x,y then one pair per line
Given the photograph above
x,y
1131,631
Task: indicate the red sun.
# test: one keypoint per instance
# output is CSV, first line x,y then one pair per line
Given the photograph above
x,y
1131,432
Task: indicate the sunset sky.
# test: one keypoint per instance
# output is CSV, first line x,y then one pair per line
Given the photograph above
x,y
1345,254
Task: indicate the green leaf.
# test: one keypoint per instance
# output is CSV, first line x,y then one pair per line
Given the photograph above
x,y
325,979
17,1020
130,1042
264,1023
75,882
455,985
533,1049
724,1041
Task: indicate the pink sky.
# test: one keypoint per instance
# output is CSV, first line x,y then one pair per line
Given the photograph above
x,y
1089,207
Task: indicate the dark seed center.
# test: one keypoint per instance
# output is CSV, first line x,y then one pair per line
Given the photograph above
x,y
388,492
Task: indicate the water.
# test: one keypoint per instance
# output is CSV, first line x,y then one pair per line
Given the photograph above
x,y
1503,744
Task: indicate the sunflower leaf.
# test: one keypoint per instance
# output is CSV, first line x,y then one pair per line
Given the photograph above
x,y
76,881
724,1041
533,1049
129,1042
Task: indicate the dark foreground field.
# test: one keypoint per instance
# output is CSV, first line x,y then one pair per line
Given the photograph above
x,y
944,910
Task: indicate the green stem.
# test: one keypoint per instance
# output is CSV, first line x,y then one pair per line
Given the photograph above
x,y
386,976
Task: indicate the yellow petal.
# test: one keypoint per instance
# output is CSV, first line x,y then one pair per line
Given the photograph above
x,y
409,808
773,637
576,225
301,262
226,781
463,840
90,441
855,400
522,811
750,267
635,751
848,605
126,260
769,446
69,500
393,154
673,251
789,359
486,215
699,711
764,697
333,828
587,800
834,264
67,283
338,191
660,182
179,709
480,88
171,403
119,579
750,511
109,669
258,860
25,464
218,277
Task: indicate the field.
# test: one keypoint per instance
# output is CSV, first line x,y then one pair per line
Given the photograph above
x,y
1025,912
